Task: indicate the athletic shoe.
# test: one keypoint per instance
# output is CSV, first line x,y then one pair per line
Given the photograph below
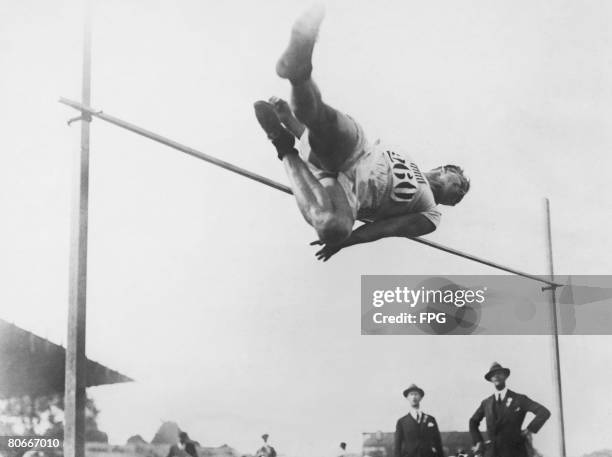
x,y
271,124
296,62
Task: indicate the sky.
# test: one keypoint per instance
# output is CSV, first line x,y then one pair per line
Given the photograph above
x,y
201,284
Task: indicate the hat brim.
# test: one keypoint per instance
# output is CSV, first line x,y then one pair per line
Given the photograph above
x,y
414,389
490,374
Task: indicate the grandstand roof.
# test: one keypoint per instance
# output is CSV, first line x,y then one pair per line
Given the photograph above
x,y
31,365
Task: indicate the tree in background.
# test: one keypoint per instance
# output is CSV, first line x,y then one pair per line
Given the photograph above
x,y
44,416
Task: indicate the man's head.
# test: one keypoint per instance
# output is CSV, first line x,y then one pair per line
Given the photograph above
x,y
414,394
414,399
497,375
183,437
498,379
449,184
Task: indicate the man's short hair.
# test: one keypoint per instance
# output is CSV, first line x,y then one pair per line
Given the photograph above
x,y
457,170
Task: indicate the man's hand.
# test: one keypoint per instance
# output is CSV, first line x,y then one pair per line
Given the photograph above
x,y
526,433
282,108
478,449
327,251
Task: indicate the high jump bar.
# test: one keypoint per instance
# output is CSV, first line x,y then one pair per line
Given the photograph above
x,y
89,111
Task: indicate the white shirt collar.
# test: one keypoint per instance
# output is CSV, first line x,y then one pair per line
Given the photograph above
x,y
501,393
416,413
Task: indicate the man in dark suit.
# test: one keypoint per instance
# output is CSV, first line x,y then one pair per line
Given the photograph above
x,y
505,412
417,434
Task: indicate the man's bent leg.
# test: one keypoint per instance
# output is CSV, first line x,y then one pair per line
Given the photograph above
x,y
323,204
333,135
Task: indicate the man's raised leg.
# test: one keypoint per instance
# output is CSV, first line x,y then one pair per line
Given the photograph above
x,y
333,135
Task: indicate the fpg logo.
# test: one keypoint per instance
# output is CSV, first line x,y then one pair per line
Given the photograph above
x,y
432,318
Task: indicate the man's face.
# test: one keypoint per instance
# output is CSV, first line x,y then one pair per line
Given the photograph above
x,y
414,399
451,192
499,379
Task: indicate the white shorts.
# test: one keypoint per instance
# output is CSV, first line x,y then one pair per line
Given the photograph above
x,y
364,176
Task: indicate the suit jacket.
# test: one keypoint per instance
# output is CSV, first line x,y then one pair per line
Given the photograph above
x,y
418,439
504,427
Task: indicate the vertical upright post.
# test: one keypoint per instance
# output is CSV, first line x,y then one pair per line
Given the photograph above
x,y
76,361
553,301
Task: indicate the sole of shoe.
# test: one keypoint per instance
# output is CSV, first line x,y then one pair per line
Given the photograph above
x,y
268,119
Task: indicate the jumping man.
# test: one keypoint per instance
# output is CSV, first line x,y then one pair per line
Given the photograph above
x,y
337,176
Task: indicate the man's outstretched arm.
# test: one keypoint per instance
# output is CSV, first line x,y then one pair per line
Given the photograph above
x,y
408,226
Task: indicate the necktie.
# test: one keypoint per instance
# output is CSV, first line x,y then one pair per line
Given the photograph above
x,y
497,408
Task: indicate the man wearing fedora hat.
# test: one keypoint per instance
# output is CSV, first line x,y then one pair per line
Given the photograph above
x,y
504,412
417,434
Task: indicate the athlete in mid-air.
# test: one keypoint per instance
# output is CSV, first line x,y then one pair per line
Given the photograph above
x,y
337,176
